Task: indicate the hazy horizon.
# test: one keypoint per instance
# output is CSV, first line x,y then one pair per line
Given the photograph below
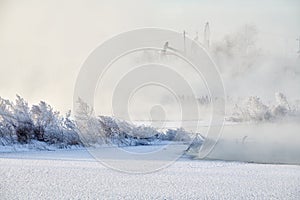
x,y
44,43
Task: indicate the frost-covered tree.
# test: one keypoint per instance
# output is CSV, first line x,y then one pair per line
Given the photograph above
x,y
52,128
253,109
70,130
19,123
91,129
44,118
282,107
179,135
121,132
7,122
23,123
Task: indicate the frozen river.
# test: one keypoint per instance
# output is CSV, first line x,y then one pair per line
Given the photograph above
x,y
74,174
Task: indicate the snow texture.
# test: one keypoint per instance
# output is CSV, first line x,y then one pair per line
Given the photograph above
x,y
75,175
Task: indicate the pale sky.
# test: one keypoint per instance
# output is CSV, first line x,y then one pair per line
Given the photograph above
x,y
44,43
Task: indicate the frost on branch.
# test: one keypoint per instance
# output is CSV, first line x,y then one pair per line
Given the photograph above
x,y
253,109
109,130
41,125
21,124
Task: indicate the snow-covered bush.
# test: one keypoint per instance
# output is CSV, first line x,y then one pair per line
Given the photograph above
x,y
253,109
6,136
16,118
109,130
52,128
21,124
70,130
176,135
41,124
91,129
121,132
7,123
282,107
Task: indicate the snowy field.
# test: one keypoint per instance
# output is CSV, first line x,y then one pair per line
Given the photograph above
x,y
74,174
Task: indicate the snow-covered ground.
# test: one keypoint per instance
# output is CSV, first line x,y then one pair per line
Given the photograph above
x,y
74,174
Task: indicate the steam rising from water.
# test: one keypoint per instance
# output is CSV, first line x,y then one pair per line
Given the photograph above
x,y
268,131
263,143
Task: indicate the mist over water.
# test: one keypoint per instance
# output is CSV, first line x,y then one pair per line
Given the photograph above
x,y
263,143
262,100
262,103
